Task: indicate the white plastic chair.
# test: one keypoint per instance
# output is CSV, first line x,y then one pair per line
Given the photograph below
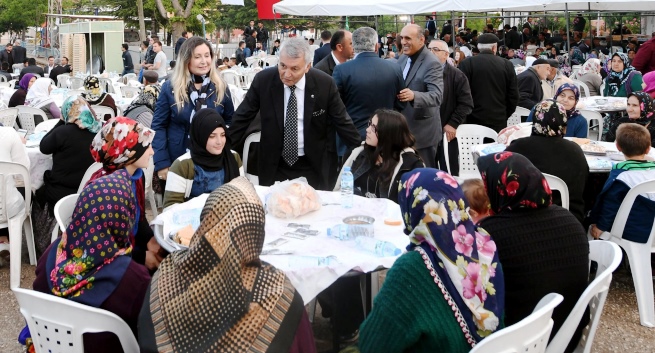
x,y
26,117
254,137
63,212
130,77
469,135
252,61
515,118
444,143
102,110
638,254
271,61
6,84
57,324
150,193
528,335
556,183
75,83
130,92
602,89
231,77
590,115
248,77
608,256
3,78
582,87
22,218
46,126
8,116
63,80
87,175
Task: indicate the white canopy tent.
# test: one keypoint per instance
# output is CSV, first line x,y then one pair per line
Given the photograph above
x,y
395,7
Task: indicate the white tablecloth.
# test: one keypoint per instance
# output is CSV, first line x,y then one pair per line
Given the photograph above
x,y
39,163
612,104
311,281
597,164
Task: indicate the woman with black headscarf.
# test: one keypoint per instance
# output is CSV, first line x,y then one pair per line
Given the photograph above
x,y
542,247
551,153
209,163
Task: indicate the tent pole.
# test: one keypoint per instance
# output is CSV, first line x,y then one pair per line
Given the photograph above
x,y
452,28
568,32
275,24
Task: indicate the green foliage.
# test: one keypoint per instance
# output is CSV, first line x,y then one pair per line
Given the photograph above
x,y
18,15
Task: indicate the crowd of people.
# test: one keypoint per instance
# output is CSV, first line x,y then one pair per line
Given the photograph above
x,y
383,109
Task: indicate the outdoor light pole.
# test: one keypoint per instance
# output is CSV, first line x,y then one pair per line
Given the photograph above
x,y
202,19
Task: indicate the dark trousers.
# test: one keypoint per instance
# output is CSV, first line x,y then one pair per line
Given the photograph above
x,y
428,155
302,168
342,303
453,157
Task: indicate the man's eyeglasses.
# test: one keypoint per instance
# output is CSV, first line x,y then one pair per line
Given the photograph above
x,y
436,50
375,127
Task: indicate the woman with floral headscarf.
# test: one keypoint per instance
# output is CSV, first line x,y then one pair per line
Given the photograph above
x,y
542,247
124,144
451,265
68,143
518,58
91,263
549,125
95,95
568,96
589,74
623,78
577,58
640,110
39,97
18,98
143,106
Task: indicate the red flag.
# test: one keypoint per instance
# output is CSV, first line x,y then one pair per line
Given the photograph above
x,y
265,9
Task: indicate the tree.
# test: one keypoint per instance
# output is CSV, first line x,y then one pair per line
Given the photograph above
x,y
184,13
17,15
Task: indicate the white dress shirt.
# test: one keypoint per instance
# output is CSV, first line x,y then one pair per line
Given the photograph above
x,y
300,98
336,61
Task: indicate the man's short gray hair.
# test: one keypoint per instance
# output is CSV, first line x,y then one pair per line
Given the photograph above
x,y
296,48
364,39
57,61
442,44
489,46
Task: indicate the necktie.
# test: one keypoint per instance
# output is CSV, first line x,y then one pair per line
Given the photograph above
x,y
290,149
406,70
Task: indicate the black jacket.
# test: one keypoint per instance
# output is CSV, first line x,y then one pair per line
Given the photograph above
x,y
32,69
321,53
530,91
326,65
493,87
512,40
251,43
7,57
59,70
241,59
262,35
178,44
457,102
19,53
127,61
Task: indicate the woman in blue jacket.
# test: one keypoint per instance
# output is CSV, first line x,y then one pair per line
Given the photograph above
x,y
195,85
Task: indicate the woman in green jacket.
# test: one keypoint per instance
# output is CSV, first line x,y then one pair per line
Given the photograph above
x,y
623,78
447,292
208,164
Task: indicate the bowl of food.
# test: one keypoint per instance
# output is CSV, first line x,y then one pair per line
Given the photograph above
x,y
601,101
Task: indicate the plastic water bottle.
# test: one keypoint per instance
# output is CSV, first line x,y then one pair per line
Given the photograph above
x,y
340,231
310,261
380,248
347,186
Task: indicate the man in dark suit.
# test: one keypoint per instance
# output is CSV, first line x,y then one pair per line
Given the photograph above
x,y
247,32
456,104
295,103
431,25
6,56
324,50
423,76
251,43
239,55
342,51
19,52
367,83
529,83
31,68
5,71
59,70
512,38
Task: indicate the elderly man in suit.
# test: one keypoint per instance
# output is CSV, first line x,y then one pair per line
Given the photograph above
x,y
423,75
367,83
295,103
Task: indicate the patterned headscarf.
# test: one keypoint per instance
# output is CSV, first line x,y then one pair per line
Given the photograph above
x,y
519,53
549,119
576,92
513,182
461,257
93,253
76,110
121,142
148,98
616,80
649,80
590,66
577,58
645,106
39,94
93,92
221,276
25,81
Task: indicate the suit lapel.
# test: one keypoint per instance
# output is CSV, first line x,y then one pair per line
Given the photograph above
x,y
278,101
310,89
414,69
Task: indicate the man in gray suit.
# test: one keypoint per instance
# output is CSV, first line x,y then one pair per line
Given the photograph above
x,y
423,76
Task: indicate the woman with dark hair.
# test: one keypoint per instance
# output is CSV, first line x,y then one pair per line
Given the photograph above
x,y
384,156
209,163
542,247
552,53
18,98
195,84
549,127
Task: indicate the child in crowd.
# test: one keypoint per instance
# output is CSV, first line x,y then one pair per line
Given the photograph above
x,y
634,141
477,198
